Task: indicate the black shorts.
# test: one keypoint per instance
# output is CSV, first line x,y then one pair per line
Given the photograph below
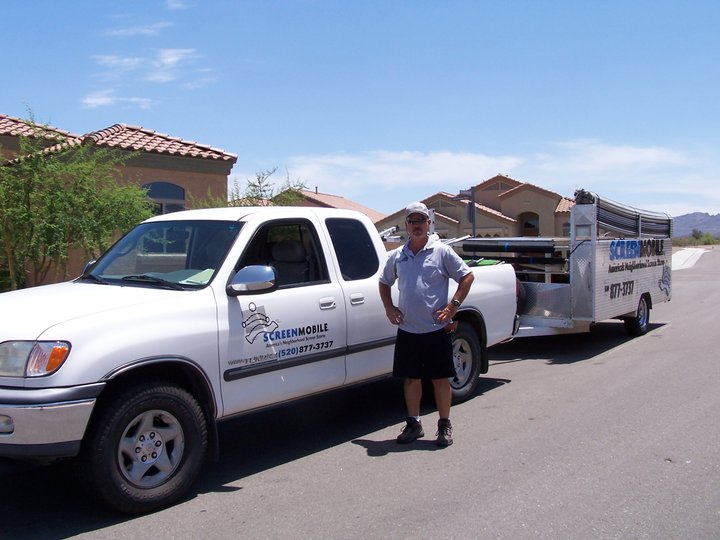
x,y
423,356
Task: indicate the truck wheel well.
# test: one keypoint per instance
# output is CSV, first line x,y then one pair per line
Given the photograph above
x,y
477,322
180,374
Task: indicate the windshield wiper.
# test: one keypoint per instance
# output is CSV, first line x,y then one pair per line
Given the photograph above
x,y
93,277
152,280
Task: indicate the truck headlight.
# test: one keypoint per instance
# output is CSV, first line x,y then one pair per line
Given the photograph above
x,y
32,358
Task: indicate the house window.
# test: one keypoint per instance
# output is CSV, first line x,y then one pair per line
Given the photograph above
x,y
166,196
530,224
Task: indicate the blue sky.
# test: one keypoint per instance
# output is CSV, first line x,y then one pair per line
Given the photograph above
x,y
385,102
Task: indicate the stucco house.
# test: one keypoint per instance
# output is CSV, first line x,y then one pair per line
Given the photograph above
x,y
502,206
170,168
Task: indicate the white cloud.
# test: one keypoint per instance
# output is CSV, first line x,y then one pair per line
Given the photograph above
x,y
107,98
676,181
589,156
176,5
172,57
98,99
119,63
203,77
141,30
167,64
671,180
385,170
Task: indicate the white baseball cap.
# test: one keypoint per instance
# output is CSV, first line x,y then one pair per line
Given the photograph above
x,y
417,208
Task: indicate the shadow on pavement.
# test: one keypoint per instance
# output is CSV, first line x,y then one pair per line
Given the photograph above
x,y
564,349
47,502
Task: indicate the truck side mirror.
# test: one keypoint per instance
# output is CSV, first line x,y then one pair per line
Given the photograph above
x,y
88,266
253,279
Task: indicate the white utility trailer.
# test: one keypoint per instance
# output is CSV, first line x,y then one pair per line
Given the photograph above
x,y
616,264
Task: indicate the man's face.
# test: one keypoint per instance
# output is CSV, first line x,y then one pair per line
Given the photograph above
x,y
417,225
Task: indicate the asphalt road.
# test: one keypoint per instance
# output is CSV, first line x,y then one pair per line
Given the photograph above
x,y
574,437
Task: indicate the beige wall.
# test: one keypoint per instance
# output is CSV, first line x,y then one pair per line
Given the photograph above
x,y
561,218
195,183
523,201
488,192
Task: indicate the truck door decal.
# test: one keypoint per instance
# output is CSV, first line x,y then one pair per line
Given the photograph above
x,y
256,323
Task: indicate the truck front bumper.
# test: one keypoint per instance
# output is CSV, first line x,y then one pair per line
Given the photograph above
x,y
45,422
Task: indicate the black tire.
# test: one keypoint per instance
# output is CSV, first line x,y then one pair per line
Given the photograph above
x,y
145,448
469,358
640,323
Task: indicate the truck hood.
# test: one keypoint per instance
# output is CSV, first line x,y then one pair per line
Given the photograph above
x,y
26,314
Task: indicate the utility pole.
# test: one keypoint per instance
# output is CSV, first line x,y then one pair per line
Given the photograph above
x,y
470,194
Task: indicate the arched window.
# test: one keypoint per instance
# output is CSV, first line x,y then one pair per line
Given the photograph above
x,y
167,197
529,224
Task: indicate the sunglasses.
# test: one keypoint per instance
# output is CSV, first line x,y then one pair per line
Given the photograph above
x,y
415,221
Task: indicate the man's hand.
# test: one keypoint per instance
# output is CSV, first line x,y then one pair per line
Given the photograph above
x,y
445,315
394,315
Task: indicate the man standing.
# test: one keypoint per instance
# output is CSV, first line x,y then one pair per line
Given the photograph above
x,y
423,267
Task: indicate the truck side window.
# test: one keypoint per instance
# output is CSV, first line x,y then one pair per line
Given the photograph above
x,y
354,248
291,247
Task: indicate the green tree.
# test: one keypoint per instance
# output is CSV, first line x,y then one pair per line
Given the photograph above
x,y
697,234
60,199
289,192
707,239
257,192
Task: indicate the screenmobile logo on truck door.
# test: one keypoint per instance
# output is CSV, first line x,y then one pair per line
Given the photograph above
x,y
269,340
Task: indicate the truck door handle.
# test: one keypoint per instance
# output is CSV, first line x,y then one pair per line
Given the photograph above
x,y
357,299
327,303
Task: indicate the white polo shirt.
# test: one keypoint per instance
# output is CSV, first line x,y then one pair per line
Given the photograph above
x,y
423,282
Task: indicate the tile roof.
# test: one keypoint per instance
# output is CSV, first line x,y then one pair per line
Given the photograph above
x,y
145,140
335,201
452,198
490,211
16,127
565,205
117,136
498,177
443,217
525,186
466,202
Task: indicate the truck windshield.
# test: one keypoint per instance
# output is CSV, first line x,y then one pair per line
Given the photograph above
x,y
167,254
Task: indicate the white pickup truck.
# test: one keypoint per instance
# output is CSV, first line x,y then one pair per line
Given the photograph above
x,y
198,316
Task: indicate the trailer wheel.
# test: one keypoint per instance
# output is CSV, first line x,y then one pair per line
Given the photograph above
x,y
146,448
467,356
639,324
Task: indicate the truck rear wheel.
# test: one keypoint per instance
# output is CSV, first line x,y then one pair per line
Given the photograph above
x,y
146,448
467,356
640,323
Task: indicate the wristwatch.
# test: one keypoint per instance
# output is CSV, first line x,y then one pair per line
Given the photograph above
x,y
455,303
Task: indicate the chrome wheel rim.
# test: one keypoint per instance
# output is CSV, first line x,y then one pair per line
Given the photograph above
x,y
462,360
151,448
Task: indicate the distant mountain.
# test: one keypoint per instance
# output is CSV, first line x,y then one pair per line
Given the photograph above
x,y
684,225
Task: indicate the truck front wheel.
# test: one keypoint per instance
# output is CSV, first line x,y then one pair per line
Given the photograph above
x,y
145,449
467,356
